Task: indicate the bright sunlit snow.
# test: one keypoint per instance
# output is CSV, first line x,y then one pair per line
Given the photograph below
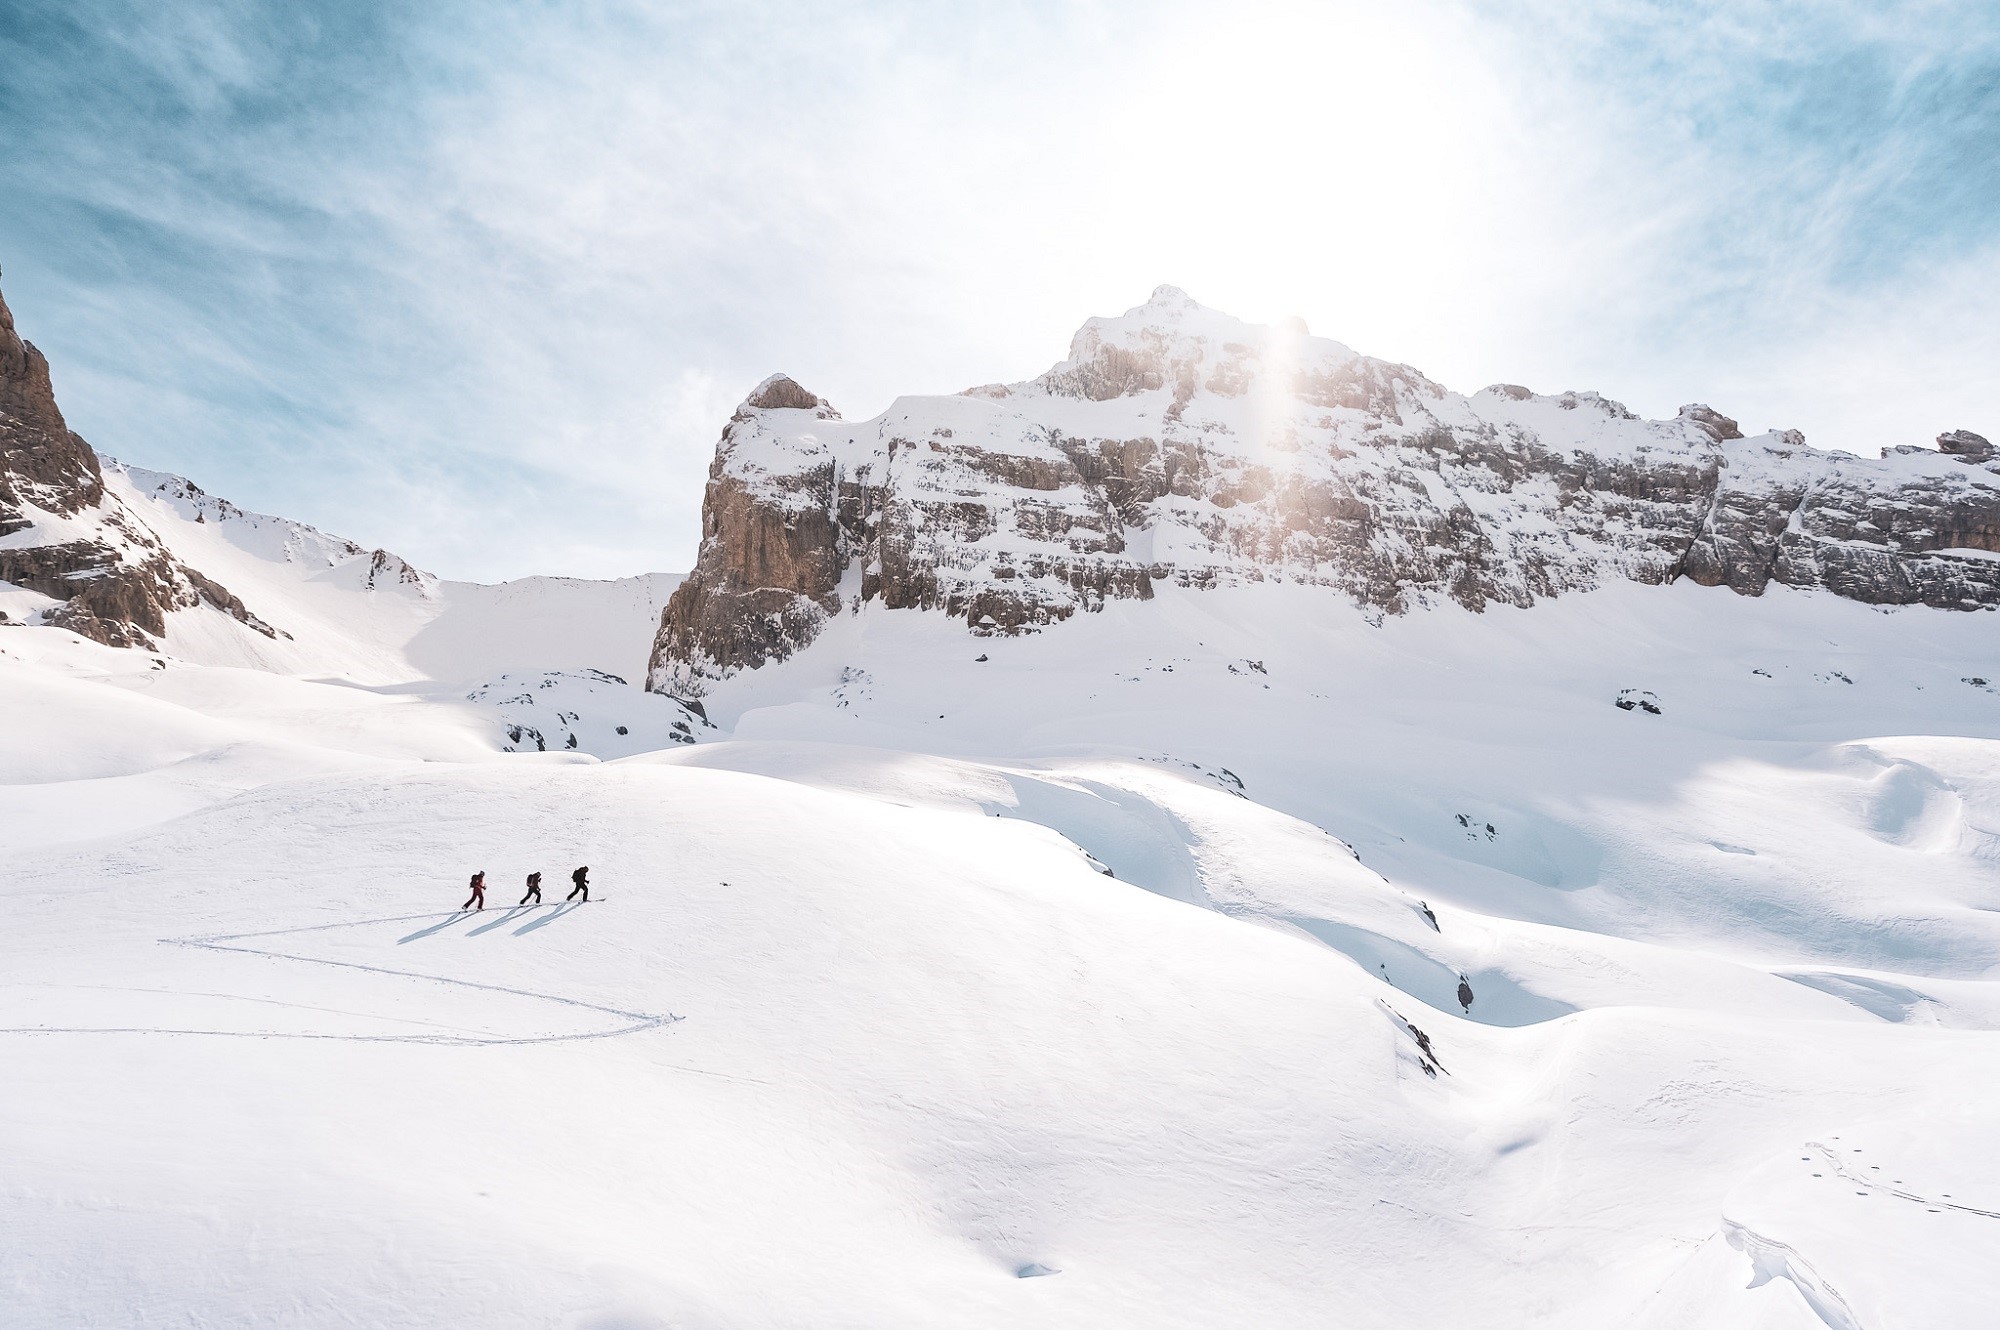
x,y
1102,977
1208,819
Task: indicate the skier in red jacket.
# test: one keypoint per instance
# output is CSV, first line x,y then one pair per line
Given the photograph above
x,y
477,900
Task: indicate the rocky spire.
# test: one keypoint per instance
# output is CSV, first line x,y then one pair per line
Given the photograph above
x,y
772,551
41,462
781,392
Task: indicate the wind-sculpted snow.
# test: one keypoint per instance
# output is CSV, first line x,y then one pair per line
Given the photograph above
x,y
1242,953
1176,444
1100,978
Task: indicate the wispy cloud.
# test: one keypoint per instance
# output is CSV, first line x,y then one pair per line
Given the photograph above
x,y
482,282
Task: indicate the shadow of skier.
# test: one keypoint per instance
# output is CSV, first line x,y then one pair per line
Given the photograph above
x,y
513,912
442,924
548,918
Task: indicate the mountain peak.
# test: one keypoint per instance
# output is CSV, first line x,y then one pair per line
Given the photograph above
x,y
781,392
1172,340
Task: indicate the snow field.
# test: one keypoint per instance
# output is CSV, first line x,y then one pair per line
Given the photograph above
x,y
860,1030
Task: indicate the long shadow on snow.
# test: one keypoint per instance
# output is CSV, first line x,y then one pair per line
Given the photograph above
x,y
437,927
508,916
548,918
1144,844
1878,997
1139,841
1497,999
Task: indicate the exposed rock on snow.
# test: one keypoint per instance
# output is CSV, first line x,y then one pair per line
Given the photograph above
x,y
1711,422
1178,444
1964,443
136,558
587,711
63,536
772,550
1474,827
84,544
1428,1058
46,465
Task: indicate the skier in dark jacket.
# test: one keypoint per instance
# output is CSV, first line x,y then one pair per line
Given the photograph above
x,y
534,889
477,900
1464,993
582,879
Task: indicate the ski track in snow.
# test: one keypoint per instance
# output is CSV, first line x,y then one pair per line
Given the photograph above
x,y
638,1021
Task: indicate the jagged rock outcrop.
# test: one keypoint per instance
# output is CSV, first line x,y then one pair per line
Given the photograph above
x,y
1964,443
1178,445
772,549
41,462
64,536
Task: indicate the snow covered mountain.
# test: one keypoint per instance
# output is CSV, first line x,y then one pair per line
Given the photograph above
x,y
72,552
1332,924
142,559
1179,445
336,608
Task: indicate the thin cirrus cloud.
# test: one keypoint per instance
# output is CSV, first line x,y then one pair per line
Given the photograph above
x,y
481,283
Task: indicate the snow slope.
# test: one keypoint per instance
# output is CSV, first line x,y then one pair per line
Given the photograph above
x,y
149,561
369,616
1078,985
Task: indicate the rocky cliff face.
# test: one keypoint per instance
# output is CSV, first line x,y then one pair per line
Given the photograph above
x,y
1176,444
63,536
84,551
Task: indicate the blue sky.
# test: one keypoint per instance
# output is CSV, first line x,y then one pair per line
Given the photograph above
x,y
481,282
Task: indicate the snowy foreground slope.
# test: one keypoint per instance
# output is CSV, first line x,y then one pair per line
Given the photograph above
x,y
862,1032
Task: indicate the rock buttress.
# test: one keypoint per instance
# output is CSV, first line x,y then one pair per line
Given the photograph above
x,y
115,583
